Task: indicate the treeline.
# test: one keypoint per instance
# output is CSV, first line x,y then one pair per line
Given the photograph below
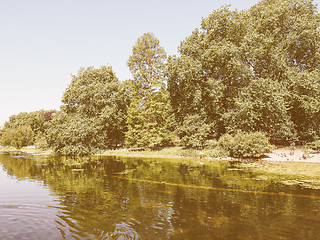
x,y
26,129
255,70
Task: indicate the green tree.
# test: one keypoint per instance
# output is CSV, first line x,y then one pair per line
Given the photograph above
x,y
194,132
149,109
283,45
18,137
263,106
92,116
254,70
22,123
210,70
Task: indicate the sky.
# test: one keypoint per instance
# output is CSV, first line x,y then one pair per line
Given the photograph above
x,y
43,42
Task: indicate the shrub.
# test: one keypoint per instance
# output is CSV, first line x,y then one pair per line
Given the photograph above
x,y
71,135
194,132
41,142
314,145
226,142
18,137
211,144
245,145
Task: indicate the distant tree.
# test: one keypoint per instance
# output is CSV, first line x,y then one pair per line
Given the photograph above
x,y
23,129
33,119
18,137
149,109
92,116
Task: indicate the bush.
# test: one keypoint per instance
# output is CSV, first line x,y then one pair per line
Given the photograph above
x,y
245,145
41,142
194,132
314,145
71,135
18,137
226,143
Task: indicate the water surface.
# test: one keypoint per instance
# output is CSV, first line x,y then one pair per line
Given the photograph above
x,y
122,198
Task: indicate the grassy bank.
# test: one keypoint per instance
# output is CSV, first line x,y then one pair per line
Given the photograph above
x,y
289,173
170,152
286,172
27,150
302,174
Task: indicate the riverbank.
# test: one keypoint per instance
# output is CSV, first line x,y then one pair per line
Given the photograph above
x,y
31,150
299,155
300,167
278,155
290,167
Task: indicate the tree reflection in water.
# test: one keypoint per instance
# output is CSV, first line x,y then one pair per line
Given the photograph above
x,y
122,198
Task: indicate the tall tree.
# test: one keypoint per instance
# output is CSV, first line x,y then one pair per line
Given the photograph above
x,y
148,109
92,116
254,70
210,70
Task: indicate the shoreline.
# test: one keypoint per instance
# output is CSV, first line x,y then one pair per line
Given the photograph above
x,y
281,165
277,155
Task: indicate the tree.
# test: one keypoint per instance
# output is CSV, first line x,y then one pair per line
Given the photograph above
x,y
263,106
23,129
284,47
194,132
254,70
92,116
18,137
149,108
210,71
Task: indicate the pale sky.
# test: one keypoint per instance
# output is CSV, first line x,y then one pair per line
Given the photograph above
x,y
43,42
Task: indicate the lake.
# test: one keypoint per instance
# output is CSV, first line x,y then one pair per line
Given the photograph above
x,y
132,198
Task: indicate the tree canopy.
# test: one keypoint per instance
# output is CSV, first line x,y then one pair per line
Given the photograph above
x,y
254,70
148,110
92,115
23,129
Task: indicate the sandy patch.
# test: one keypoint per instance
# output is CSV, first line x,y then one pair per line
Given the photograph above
x,y
282,155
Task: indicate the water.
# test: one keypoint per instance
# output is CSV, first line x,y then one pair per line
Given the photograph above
x,y
122,198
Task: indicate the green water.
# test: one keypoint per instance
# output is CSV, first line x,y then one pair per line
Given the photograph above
x,y
122,198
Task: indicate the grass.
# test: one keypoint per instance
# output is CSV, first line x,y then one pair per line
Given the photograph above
x,y
289,173
28,150
166,152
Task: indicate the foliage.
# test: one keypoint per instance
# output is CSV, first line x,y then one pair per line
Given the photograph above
x,y
248,71
92,116
41,142
262,105
48,115
314,145
210,71
34,119
194,132
71,134
29,125
149,109
304,102
18,137
245,145
254,70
